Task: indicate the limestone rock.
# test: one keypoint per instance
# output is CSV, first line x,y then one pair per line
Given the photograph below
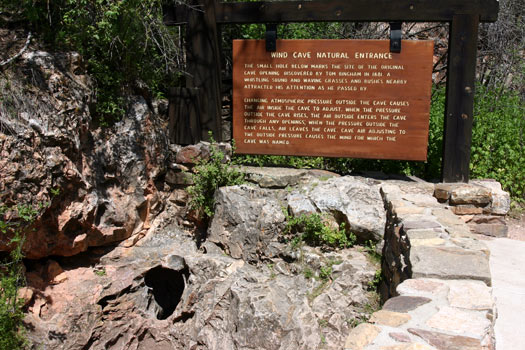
x,y
492,230
400,337
99,183
411,346
472,295
361,336
273,177
246,221
449,263
389,318
500,204
470,194
474,324
163,293
421,286
352,200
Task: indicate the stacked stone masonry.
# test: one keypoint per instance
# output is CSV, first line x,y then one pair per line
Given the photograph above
x,y
436,268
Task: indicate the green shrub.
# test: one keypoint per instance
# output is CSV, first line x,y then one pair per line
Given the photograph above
x,y
12,332
314,230
124,42
498,140
209,175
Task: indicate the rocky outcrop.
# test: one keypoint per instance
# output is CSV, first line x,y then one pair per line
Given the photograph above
x,y
245,286
92,185
163,293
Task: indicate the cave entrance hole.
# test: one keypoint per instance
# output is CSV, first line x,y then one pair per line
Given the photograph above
x,y
167,286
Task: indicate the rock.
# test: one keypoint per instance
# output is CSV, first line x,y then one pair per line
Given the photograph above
x,y
472,295
355,201
246,221
411,346
299,204
466,209
442,192
25,294
421,286
444,341
400,337
179,178
492,230
189,155
361,336
405,303
420,224
99,184
500,204
474,324
470,194
273,177
447,218
449,263
164,293
389,318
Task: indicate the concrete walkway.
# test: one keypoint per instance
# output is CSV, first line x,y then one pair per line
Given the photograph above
x,y
507,265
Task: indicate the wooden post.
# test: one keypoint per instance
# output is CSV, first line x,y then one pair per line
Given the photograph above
x,y
204,73
184,125
459,103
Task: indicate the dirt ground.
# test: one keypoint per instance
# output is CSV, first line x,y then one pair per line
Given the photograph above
x,y
516,224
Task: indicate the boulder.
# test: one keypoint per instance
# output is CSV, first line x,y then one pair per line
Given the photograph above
x,y
246,221
351,200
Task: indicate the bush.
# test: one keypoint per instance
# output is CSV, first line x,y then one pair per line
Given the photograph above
x,y
498,140
209,175
124,42
315,230
12,335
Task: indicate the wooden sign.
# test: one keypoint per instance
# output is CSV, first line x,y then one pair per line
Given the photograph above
x,y
335,98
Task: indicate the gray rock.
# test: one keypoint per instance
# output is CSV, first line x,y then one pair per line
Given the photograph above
x,y
355,201
449,263
163,293
273,177
500,204
246,221
470,194
492,230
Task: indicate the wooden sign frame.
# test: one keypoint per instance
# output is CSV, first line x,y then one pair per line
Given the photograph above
x,y
202,18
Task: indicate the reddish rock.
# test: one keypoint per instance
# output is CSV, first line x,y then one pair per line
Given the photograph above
x,y
444,341
466,209
189,155
404,303
400,337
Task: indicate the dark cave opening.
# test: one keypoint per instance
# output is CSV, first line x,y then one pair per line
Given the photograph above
x,y
167,286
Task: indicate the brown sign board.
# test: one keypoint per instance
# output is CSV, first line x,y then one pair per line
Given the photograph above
x,y
334,98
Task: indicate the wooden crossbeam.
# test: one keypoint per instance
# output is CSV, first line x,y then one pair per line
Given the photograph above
x,y
341,11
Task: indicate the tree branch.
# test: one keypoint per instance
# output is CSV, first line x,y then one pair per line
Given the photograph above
x,y
28,40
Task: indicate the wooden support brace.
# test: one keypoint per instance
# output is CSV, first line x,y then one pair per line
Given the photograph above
x,y
204,71
459,105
